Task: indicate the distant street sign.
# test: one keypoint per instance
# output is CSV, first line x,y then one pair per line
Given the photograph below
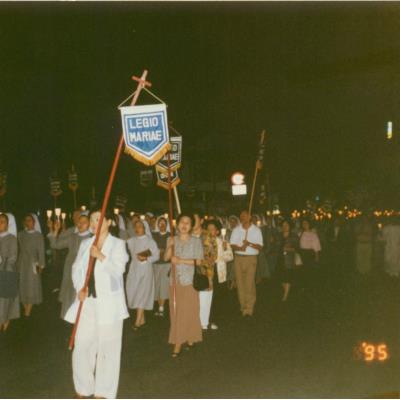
x,y
239,190
237,178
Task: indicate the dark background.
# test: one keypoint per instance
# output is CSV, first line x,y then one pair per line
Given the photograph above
x,y
322,79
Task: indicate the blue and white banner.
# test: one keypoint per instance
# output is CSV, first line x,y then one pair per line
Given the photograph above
x,y
145,130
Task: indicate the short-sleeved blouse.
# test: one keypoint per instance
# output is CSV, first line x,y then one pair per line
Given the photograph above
x,y
190,249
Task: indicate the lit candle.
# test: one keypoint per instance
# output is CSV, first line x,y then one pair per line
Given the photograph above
x,y
223,233
132,213
142,217
116,211
174,222
83,208
63,216
58,212
389,133
258,223
166,215
49,213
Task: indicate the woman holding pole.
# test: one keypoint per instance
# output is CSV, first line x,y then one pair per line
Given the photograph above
x,y
97,353
185,314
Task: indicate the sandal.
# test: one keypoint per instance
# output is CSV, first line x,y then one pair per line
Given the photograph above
x,y
175,355
136,327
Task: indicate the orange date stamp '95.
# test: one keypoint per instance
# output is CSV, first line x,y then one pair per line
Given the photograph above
x,y
370,352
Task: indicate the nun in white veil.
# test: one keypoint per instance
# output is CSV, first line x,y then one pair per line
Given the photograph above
x,y
31,261
9,307
37,228
12,225
131,224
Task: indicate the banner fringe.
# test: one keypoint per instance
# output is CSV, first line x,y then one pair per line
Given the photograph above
x,y
165,170
146,161
166,186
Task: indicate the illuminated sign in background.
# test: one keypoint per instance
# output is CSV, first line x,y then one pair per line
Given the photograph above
x,y
370,352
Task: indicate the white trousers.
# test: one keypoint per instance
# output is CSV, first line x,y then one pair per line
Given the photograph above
x,y
97,354
205,306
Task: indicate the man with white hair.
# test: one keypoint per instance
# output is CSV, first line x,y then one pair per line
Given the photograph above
x,y
246,241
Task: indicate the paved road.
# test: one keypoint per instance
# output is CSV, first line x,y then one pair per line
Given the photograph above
x,y
300,349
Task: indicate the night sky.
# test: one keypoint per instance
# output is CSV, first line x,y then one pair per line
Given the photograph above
x,y
321,78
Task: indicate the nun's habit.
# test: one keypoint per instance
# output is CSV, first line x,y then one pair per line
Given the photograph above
x,y
9,308
140,279
161,268
31,254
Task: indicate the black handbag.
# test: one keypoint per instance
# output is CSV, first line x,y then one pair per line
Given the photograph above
x,y
8,284
200,281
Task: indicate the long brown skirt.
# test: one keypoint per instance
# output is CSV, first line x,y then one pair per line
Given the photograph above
x,y
185,325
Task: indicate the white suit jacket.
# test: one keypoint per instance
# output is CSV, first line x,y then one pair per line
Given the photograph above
x,y
110,300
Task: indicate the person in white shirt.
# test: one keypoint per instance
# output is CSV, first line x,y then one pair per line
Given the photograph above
x,y
97,353
246,241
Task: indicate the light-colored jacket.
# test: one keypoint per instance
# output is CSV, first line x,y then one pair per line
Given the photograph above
x,y
110,300
224,256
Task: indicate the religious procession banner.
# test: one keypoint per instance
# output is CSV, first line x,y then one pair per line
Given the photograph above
x,y
162,178
261,149
145,131
146,178
175,155
55,186
73,179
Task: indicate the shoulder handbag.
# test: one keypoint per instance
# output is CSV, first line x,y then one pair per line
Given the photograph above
x,y
200,281
8,283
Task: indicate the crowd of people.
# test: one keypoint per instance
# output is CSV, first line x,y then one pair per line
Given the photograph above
x,y
140,266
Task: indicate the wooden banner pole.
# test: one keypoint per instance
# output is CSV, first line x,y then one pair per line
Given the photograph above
x,y
253,190
178,204
171,227
258,167
141,84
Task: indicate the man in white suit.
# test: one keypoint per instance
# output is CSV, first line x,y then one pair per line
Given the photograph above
x,y
97,353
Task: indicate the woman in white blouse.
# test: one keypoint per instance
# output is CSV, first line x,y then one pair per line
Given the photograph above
x,y
310,248
97,353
